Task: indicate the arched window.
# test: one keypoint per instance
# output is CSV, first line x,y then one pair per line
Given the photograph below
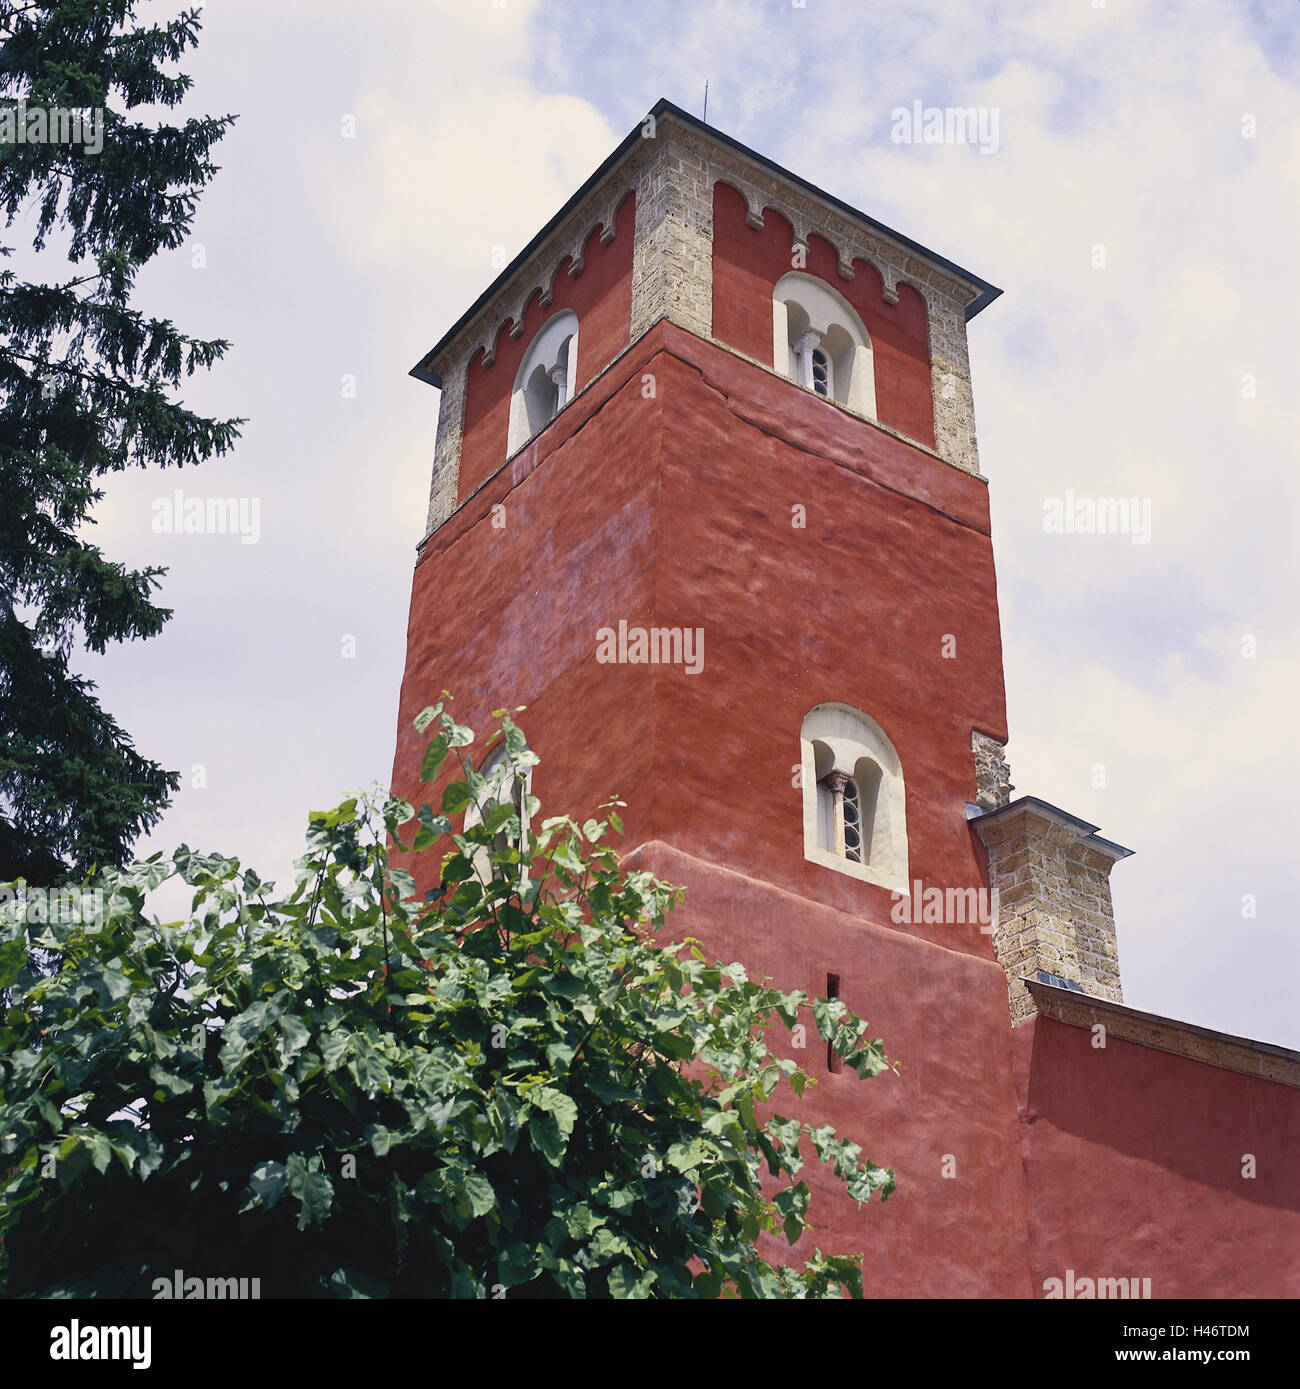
x,y
546,379
854,802
504,787
820,342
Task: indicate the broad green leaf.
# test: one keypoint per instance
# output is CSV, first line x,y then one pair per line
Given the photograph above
x,y
479,1191
267,1183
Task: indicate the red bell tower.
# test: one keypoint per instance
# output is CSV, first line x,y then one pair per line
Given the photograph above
x,y
707,501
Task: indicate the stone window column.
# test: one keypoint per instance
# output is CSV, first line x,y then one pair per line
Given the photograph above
x,y
803,350
837,781
559,375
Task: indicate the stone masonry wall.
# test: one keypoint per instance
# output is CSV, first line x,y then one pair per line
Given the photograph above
x,y
672,264
992,771
1051,888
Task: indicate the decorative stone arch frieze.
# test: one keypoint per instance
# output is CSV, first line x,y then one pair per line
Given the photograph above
x,y
752,198
850,241
945,296
564,252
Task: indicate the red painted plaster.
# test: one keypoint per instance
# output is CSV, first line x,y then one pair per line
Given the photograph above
x,y
943,1017
677,511
747,263
1134,1162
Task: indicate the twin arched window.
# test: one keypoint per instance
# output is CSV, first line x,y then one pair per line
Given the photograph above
x,y
820,343
854,802
546,379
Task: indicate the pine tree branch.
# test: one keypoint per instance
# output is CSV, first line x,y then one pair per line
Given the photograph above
x,y
18,10
93,378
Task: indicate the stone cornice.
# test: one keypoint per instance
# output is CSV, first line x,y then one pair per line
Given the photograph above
x,y
852,238
1221,1049
562,253
761,182
1004,816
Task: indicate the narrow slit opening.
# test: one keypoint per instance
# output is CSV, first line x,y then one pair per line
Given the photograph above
x,y
833,1063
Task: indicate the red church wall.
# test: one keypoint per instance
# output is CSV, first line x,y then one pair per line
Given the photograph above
x,y
1133,1159
853,606
507,616
676,511
601,296
942,1016
747,263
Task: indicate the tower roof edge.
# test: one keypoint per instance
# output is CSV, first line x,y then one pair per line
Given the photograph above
x,y
665,109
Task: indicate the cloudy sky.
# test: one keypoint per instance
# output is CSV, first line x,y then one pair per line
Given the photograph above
x,y
1141,211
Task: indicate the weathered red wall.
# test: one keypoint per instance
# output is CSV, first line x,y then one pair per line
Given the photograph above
x,y
507,616
747,263
852,607
1133,1159
601,296
942,1015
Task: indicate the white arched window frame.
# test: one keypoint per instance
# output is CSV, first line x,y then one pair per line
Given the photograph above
x,y
504,786
546,380
853,791
819,341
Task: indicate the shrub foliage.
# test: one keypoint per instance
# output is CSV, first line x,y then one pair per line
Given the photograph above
x,y
512,1088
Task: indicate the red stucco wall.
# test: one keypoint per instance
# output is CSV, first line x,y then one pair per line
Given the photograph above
x,y
853,606
942,1015
1134,1162
747,263
601,296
